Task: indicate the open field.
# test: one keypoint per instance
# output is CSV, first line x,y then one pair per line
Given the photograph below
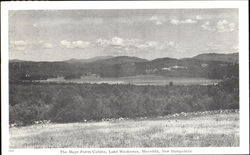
x,y
139,80
209,130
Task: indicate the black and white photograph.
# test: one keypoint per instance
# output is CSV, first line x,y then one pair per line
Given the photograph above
x,y
125,78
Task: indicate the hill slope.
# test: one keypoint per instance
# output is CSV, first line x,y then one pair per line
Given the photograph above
x,y
120,60
234,57
88,60
214,66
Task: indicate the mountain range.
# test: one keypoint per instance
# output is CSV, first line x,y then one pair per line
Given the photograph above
x,y
210,65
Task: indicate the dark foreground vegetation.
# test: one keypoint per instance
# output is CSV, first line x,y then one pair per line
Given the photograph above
x,y
71,102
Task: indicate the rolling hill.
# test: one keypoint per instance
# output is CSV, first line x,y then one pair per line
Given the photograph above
x,y
88,60
205,65
120,60
234,57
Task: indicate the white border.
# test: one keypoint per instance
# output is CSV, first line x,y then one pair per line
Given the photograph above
x,y
243,47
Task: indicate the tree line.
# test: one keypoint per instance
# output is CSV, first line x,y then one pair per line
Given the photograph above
x,y
72,102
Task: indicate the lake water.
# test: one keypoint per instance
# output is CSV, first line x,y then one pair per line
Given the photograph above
x,y
139,80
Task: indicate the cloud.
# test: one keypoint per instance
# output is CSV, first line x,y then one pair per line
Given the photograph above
x,y
102,42
47,45
42,44
121,44
66,44
171,43
198,17
154,18
158,23
22,45
133,44
158,45
207,26
225,26
188,21
157,20
116,41
34,25
220,26
185,21
19,45
80,44
74,44
174,21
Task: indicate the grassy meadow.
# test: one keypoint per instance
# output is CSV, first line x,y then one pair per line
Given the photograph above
x,y
210,130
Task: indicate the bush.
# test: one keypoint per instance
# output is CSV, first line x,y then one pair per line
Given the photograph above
x,y
25,113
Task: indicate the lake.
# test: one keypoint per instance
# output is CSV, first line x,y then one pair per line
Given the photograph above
x,y
138,80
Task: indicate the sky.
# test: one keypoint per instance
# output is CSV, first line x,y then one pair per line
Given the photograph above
x,y
56,35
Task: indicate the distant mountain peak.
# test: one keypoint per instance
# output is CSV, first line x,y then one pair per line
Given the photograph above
x,y
74,60
121,60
